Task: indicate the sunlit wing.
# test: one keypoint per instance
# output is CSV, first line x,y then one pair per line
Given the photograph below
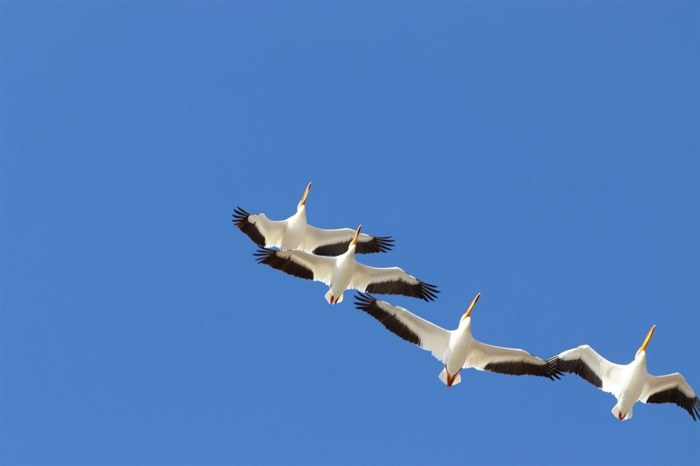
x,y
406,325
509,361
591,366
298,263
263,231
391,280
335,242
672,388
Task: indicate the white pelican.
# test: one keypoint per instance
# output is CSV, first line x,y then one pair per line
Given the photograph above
x,y
343,272
456,349
295,233
628,383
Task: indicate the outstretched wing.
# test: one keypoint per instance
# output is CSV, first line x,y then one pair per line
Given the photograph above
x,y
391,280
590,366
298,263
671,388
335,242
263,231
509,361
406,325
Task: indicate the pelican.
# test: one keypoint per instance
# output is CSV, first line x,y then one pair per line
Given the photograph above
x,y
456,349
343,272
295,233
628,383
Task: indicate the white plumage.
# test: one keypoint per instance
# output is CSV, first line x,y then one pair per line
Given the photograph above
x,y
296,233
628,383
456,349
344,272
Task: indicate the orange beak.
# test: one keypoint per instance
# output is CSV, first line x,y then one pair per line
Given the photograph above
x,y
471,307
647,340
357,234
306,194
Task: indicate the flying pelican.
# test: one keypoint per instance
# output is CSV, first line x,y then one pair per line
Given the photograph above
x,y
343,272
456,349
628,383
295,233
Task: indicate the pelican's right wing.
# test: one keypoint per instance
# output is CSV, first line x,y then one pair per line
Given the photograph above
x,y
264,232
406,325
590,366
298,263
335,242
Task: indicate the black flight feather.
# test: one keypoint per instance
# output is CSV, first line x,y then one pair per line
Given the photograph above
x,y
578,367
272,258
524,368
376,244
420,290
368,304
674,395
240,219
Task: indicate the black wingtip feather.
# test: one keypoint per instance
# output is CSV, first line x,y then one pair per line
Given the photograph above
x,y
577,367
240,219
524,368
554,368
674,395
367,303
271,257
377,244
421,290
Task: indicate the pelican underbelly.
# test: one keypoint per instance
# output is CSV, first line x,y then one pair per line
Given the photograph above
x,y
631,386
460,347
342,276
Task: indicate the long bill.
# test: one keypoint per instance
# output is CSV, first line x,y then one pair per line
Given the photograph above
x,y
647,339
357,234
471,306
306,194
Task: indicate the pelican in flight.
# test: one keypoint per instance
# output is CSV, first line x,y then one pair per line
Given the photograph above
x,y
344,272
295,233
628,383
456,349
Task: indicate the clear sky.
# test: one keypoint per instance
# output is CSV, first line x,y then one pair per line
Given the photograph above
x,y
543,153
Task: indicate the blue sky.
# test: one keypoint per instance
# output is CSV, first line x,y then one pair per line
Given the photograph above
x,y
543,153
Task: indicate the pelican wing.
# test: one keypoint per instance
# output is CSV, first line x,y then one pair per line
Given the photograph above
x,y
671,388
335,242
298,263
391,280
509,361
591,366
263,231
406,325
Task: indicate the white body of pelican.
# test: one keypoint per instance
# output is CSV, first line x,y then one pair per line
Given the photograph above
x,y
456,349
344,272
628,383
296,233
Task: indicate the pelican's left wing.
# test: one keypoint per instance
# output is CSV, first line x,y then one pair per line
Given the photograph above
x,y
391,280
509,361
298,263
672,388
406,325
335,242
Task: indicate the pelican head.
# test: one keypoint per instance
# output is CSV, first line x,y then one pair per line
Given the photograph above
x,y
471,307
357,235
643,348
302,202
